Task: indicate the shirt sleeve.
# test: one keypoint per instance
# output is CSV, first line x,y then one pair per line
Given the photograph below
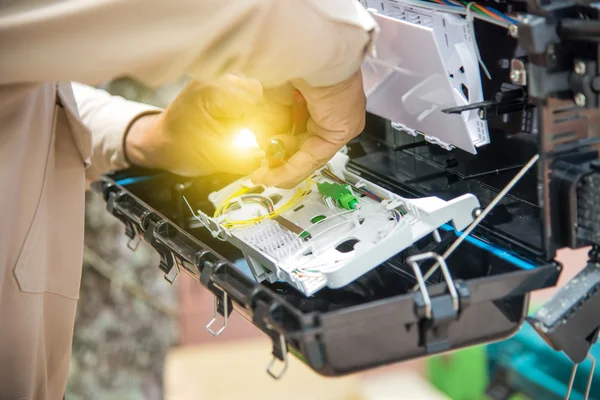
x,y
108,118
156,41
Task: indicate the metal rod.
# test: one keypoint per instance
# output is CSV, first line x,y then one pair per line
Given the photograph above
x,y
493,172
279,375
588,388
216,314
483,214
412,261
571,381
590,378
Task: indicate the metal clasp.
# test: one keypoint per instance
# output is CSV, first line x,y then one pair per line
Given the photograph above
x,y
283,348
134,242
216,314
412,261
589,382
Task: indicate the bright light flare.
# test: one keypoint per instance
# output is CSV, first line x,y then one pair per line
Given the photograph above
x,y
245,138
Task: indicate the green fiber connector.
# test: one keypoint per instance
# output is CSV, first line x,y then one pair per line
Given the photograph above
x,y
340,194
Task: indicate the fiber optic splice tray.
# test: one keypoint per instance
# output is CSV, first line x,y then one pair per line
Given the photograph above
x,y
339,309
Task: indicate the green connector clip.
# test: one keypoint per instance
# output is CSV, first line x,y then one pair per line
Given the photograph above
x,y
342,196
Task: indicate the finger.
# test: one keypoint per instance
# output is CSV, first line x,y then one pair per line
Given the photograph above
x,y
276,115
300,113
339,107
340,136
258,176
314,153
290,143
272,119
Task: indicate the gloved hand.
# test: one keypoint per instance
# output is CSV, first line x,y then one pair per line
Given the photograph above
x,y
195,135
337,115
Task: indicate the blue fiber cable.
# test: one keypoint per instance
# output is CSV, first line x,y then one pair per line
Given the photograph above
x,y
135,179
502,15
490,248
450,4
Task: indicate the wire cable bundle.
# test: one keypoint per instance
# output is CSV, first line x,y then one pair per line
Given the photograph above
x,y
462,7
482,10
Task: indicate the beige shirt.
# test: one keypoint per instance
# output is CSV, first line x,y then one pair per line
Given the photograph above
x,y
50,130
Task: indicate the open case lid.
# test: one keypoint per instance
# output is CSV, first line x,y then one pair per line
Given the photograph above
x,y
426,61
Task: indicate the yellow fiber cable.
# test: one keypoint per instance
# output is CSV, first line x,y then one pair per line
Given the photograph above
x,y
301,192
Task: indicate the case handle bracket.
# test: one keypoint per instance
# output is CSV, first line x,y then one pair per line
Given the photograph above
x,y
279,349
412,261
589,381
439,311
221,306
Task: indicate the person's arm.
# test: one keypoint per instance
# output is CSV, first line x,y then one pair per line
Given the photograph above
x,y
320,41
193,136
108,118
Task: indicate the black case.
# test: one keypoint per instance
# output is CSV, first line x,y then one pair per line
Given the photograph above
x,y
377,321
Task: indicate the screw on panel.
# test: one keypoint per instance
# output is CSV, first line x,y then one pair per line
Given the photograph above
x,y
518,76
580,99
579,68
481,113
513,30
515,76
504,63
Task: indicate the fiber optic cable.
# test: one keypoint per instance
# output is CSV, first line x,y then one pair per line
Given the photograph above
x,y
455,10
364,191
449,3
502,15
300,193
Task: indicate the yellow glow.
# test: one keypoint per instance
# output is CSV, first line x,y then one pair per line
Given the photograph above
x,y
245,138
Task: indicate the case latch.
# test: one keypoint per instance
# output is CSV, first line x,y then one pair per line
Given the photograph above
x,y
437,312
262,318
130,229
222,303
167,262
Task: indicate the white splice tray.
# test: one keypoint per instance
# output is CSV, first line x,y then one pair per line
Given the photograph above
x,y
344,244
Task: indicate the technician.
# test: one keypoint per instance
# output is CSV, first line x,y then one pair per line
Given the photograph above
x,y
56,135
